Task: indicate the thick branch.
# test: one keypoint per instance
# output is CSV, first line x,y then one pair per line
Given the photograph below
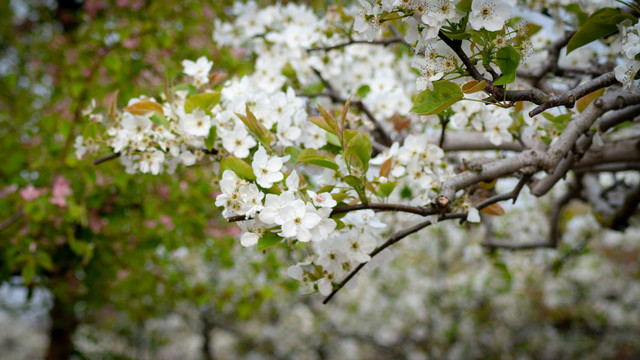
x,y
490,171
467,141
569,98
628,208
623,151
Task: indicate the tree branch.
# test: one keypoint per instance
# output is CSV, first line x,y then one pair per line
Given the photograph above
x,y
106,158
418,210
489,172
392,240
384,42
378,207
628,208
497,92
467,141
569,98
13,218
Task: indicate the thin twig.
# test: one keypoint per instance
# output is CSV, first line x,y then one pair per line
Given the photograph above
x,y
384,42
13,218
106,158
392,240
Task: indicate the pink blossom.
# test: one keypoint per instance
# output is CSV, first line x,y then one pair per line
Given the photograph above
x,y
61,189
150,223
30,192
167,221
8,190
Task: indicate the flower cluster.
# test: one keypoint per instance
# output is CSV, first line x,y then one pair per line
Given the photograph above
x,y
629,43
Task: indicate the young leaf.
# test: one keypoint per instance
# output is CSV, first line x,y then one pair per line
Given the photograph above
x,y
264,136
363,91
387,188
293,153
310,156
159,120
443,95
493,209
268,240
360,147
473,86
343,116
241,168
320,122
584,101
464,5
508,60
203,101
111,103
600,24
385,168
329,119
353,181
211,139
144,107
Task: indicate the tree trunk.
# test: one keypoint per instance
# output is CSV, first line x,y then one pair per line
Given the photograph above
x,y
63,325
207,341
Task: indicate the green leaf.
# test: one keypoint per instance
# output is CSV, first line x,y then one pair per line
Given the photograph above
x,y
255,127
28,272
443,95
363,91
159,120
90,131
203,101
532,29
211,139
310,156
387,188
293,153
331,122
320,122
44,260
359,147
464,5
333,140
241,168
508,60
268,240
473,86
192,90
353,181
600,24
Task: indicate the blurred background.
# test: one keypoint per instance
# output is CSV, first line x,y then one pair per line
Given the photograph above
x,y
99,264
